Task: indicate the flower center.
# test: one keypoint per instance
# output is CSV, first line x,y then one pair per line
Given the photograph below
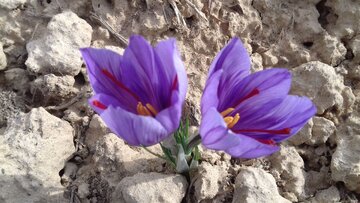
x,y
147,110
230,120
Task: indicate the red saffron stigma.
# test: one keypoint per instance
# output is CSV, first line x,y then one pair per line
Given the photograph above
x,y
282,131
265,141
119,84
99,104
254,92
174,83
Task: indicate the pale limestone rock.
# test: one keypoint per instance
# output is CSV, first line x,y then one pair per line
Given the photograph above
x,y
3,62
207,184
345,164
114,159
323,86
97,129
57,51
330,195
304,134
347,18
256,185
329,49
18,78
33,149
321,131
288,165
50,8
151,187
256,62
11,106
11,4
54,87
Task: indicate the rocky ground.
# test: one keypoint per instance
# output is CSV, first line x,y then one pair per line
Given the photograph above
x,y
53,148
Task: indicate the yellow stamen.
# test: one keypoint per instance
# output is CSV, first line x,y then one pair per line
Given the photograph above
x,y
147,112
152,109
227,111
228,119
142,110
139,109
234,121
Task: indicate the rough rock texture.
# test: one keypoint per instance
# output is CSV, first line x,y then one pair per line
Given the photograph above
x,y
256,185
10,106
345,165
323,86
30,173
3,61
288,166
151,187
321,131
328,195
208,183
54,87
57,50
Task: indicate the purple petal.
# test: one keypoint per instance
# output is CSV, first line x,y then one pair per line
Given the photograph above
x,y
170,117
134,129
100,102
233,59
105,75
293,113
210,95
154,72
169,57
215,135
256,90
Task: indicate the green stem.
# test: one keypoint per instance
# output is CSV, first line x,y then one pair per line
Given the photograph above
x,y
194,142
153,153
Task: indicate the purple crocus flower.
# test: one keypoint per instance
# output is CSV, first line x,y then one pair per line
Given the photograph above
x,y
246,114
138,95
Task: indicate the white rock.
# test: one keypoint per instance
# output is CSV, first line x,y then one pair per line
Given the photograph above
x,y
18,79
345,164
288,164
151,187
330,195
304,134
347,18
323,86
33,149
55,87
57,51
114,159
256,62
329,49
3,62
97,129
207,184
11,4
321,131
256,185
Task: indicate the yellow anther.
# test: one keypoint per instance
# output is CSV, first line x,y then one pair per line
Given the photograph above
x,y
147,110
227,111
234,121
139,109
228,119
152,109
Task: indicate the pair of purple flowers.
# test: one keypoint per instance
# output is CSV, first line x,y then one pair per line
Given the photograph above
x,y
140,96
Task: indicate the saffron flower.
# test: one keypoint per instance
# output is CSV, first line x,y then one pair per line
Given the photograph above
x,y
245,114
139,94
